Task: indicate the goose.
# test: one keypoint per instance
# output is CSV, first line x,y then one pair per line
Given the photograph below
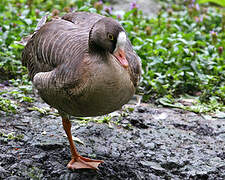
x,y
83,65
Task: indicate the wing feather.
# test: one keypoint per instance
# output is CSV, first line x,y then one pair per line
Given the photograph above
x,y
58,41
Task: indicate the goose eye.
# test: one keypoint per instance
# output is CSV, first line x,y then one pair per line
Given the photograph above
x,y
110,37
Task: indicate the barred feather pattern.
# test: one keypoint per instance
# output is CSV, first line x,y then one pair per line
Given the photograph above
x,y
58,41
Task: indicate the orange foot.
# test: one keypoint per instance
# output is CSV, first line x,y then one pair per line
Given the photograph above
x,y
83,163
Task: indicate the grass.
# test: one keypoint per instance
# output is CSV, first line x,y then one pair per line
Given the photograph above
x,y
11,136
182,48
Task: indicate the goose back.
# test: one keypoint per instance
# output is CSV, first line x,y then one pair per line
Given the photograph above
x,y
58,41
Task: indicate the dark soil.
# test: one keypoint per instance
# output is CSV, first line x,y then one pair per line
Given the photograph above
x,y
148,143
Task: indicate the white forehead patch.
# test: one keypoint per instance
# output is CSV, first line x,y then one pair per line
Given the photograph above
x,y
121,40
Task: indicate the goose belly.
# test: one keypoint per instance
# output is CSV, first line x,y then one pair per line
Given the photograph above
x,y
109,89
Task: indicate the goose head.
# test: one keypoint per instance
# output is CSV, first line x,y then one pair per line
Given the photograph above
x,y
108,35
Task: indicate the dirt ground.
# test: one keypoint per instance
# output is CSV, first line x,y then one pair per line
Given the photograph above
x,y
137,142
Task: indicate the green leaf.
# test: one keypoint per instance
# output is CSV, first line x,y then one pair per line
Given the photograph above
x,y
219,2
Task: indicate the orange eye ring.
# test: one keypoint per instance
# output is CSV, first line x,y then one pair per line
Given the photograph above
x,y
110,37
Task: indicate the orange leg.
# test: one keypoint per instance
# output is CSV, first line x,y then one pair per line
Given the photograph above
x,y
77,162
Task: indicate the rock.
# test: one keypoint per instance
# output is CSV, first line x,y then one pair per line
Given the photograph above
x,y
7,158
150,146
221,155
205,130
160,116
14,166
26,162
172,164
141,109
14,178
40,157
153,165
202,175
51,145
80,175
177,145
3,172
137,121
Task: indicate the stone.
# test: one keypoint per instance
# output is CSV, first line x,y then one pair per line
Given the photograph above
x,y
150,146
26,162
3,172
40,157
14,178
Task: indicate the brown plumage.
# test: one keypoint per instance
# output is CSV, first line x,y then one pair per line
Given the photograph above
x,y
82,65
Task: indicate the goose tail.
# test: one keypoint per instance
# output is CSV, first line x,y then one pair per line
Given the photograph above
x,y
25,39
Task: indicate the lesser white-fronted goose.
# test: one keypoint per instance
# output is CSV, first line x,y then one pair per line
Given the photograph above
x,y
82,64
